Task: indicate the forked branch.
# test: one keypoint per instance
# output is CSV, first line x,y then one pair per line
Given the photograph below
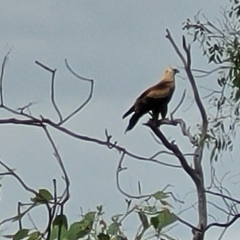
x,y
52,71
78,109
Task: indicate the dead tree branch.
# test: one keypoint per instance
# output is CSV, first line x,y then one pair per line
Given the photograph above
x,y
52,71
91,81
196,173
1,77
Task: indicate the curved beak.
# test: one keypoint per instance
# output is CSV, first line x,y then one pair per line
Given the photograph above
x,y
176,71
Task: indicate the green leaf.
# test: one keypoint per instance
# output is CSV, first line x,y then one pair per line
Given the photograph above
x,y
34,236
219,60
143,219
61,220
45,194
58,231
90,216
139,188
8,236
195,36
22,233
212,58
150,209
213,153
165,203
103,236
219,82
79,230
82,228
237,95
114,228
163,219
219,145
160,195
222,128
42,196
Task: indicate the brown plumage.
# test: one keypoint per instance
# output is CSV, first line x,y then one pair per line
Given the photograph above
x,y
155,99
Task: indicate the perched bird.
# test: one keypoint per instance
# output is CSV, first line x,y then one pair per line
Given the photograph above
x,y
154,100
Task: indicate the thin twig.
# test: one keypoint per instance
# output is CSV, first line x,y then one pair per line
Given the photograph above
x,y
24,185
52,71
188,224
119,170
168,36
179,104
223,196
207,73
1,78
88,98
19,214
227,224
60,162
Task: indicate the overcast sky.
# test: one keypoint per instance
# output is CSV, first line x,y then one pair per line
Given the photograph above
x,y
122,46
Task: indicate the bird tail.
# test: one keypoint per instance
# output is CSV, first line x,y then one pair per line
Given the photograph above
x,y
133,121
128,112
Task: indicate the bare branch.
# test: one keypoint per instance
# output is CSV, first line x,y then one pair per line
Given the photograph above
x,y
27,106
188,224
187,66
12,172
30,122
223,196
197,173
1,78
60,162
161,152
179,104
14,218
119,170
169,37
19,213
182,124
88,98
227,224
173,148
19,113
45,67
207,73
188,208
219,208
39,123
53,71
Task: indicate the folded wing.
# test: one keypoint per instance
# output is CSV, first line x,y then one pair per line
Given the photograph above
x,y
155,100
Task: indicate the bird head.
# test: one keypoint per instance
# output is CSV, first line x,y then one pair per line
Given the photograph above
x,y
170,72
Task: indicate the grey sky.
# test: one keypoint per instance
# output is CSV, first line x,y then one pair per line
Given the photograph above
x,y
122,46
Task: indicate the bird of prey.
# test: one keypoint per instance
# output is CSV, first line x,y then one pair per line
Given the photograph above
x,y
154,100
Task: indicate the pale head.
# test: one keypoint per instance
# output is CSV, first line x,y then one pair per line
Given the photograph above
x,y
170,72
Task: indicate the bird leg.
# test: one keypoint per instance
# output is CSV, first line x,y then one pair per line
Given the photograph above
x,y
155,115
